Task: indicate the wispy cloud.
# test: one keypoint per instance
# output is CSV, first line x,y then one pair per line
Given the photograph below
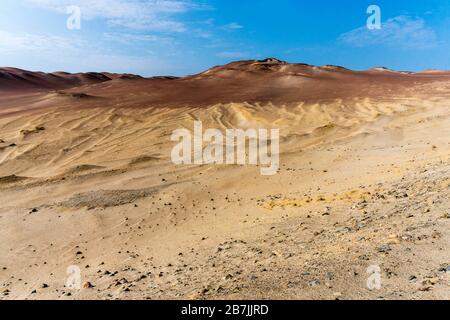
x,y
401,31
127,38
62,53
233,54
157,15
24,42
232,26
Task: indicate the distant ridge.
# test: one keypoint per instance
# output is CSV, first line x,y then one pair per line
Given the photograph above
x,y
268,80
13,79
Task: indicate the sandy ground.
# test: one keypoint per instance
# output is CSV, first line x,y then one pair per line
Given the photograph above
x,y
363,182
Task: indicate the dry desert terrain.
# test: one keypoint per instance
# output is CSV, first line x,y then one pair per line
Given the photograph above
x,y
86,180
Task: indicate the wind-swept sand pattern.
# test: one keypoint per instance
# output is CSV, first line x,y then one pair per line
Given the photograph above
x,y
86,179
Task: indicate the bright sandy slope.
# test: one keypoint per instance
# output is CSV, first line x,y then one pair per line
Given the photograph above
x,y
363,181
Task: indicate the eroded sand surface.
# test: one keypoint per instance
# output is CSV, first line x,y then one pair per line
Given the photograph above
x,y
364,180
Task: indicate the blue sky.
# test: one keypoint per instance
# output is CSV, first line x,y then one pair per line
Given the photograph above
x,y
179,37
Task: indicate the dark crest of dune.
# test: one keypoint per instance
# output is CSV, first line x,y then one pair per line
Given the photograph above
x,y
252,81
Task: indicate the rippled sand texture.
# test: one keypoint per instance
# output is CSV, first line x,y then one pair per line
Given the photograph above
x,y
86,180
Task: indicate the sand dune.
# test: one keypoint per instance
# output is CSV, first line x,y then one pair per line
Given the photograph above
x,y
18,80
267,81
86,179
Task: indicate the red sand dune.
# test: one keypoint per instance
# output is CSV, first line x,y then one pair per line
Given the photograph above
x,y
262,81
268,80
13,80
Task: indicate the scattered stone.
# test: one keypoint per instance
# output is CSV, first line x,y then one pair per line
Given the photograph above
x,y
228,277
393,239
329,276
343,230
425,288
385,248
314,283
205,290
430,281
88,285
337,295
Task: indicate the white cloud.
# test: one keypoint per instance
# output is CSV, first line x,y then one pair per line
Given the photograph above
x,y
127,38
233,54
154,25
44,43
10,42
121,63
158,15
233,26
401,31
75,55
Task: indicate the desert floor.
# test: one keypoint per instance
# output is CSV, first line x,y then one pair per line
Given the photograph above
x,y
363,182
